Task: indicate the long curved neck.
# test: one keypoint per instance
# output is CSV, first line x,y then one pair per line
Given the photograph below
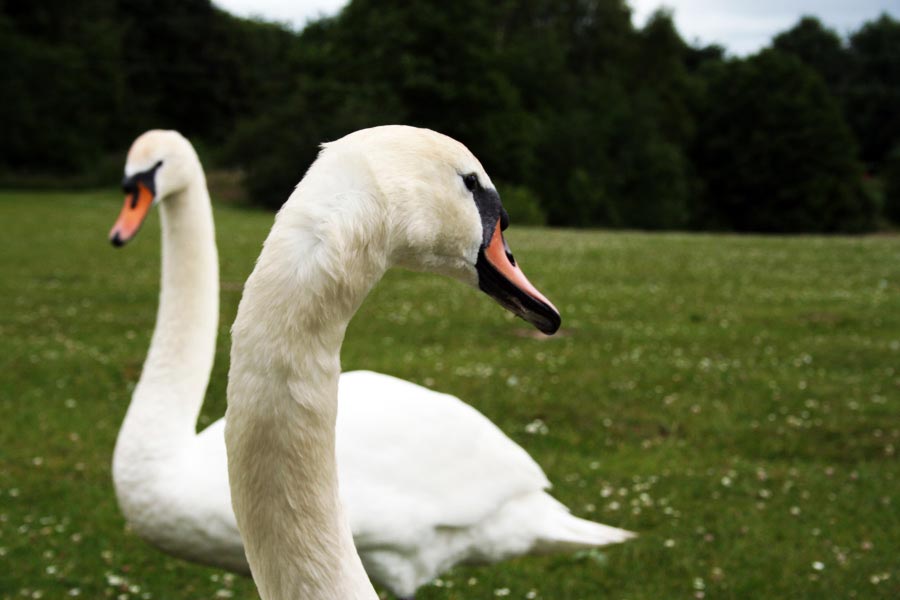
x,y
282,403
168,397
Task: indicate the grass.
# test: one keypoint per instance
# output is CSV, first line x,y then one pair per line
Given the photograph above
x,y
735,400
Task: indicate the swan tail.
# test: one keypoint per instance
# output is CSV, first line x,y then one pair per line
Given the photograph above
x,y
564,532
580,534
534,523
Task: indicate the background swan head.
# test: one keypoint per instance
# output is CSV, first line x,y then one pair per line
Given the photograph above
x,y
160,164
441,211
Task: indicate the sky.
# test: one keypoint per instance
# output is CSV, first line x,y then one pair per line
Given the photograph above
x,y
742,26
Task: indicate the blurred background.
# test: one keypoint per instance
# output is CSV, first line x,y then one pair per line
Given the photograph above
x,y
732,397
712,115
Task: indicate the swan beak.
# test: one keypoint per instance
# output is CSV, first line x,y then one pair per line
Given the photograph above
x,y
501,278
134,211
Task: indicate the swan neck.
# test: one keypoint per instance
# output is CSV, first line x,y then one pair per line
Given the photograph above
x,y
282,397
168,397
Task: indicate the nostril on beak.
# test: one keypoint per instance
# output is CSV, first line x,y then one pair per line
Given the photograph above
x,y
509,254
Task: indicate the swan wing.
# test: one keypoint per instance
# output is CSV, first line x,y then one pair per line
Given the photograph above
x,y
411,458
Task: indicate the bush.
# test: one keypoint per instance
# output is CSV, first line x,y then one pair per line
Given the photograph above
x,y
523,205
873,89
891,177
775,152
276,148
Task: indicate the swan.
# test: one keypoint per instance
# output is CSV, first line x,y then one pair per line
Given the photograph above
x,y
427,480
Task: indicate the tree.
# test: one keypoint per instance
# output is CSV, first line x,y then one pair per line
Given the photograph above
x,y
612,110
873,94
81,79
891,175
819,48
775,153
63,91
585,119
276,147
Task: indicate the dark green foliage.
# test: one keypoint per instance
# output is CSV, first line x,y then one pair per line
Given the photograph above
x,y
775,153
591,121
523,206
587,137
818,47
81,79
61,85
873,92
202,68
278,146
864,75
891,177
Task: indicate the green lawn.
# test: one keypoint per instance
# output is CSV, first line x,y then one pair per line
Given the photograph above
x,y
735,400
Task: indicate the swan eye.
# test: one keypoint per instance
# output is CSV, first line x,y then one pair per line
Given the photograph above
x,y
471,181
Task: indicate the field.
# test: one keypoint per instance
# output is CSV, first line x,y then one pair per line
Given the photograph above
x,y
735,400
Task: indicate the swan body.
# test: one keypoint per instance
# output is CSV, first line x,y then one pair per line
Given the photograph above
x,y
428,481
472,496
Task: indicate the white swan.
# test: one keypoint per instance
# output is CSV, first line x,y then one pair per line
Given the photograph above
x,y
428,481
374,199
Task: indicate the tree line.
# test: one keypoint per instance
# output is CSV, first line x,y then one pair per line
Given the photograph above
x,y
581,118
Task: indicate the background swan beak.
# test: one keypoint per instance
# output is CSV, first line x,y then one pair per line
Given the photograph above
x,y
134,211
501,278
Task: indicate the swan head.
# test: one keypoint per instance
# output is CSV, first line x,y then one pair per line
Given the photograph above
x,y
444,214
160,164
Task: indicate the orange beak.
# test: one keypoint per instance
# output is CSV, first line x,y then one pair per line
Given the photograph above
x,y
134,211
500,277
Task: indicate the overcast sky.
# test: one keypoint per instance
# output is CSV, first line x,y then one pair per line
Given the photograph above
x,y
742,26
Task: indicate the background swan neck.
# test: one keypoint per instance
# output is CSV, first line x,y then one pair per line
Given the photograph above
x,y
282,396
169,394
